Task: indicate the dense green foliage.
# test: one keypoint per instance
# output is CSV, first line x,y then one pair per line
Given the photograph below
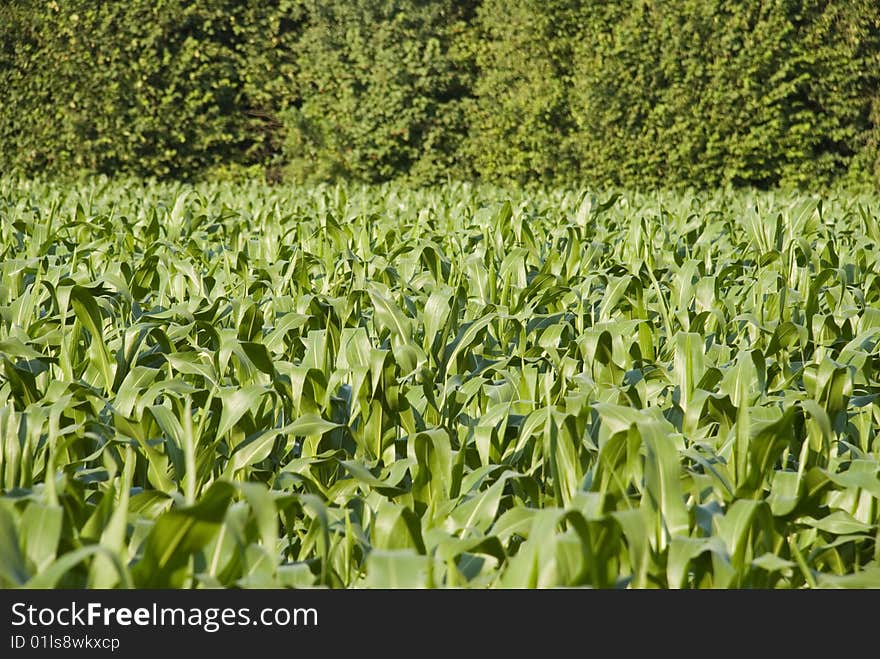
x,y
702,92
521,124
383,86
723,91
259,386
152,87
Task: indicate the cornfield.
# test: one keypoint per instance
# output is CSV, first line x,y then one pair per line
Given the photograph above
x,y
245,386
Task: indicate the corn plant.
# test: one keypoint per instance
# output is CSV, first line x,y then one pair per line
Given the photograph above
x,y
242,386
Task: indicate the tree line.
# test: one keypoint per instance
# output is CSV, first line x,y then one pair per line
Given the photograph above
x,y
629,93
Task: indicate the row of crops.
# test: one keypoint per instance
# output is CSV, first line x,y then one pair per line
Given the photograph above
x,y
466,386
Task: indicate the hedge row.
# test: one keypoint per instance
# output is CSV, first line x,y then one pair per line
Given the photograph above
x,y
157,87
634,92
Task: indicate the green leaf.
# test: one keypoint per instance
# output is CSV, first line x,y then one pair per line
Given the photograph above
x,y
179,534
397,569
41,531
236,403
13,569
